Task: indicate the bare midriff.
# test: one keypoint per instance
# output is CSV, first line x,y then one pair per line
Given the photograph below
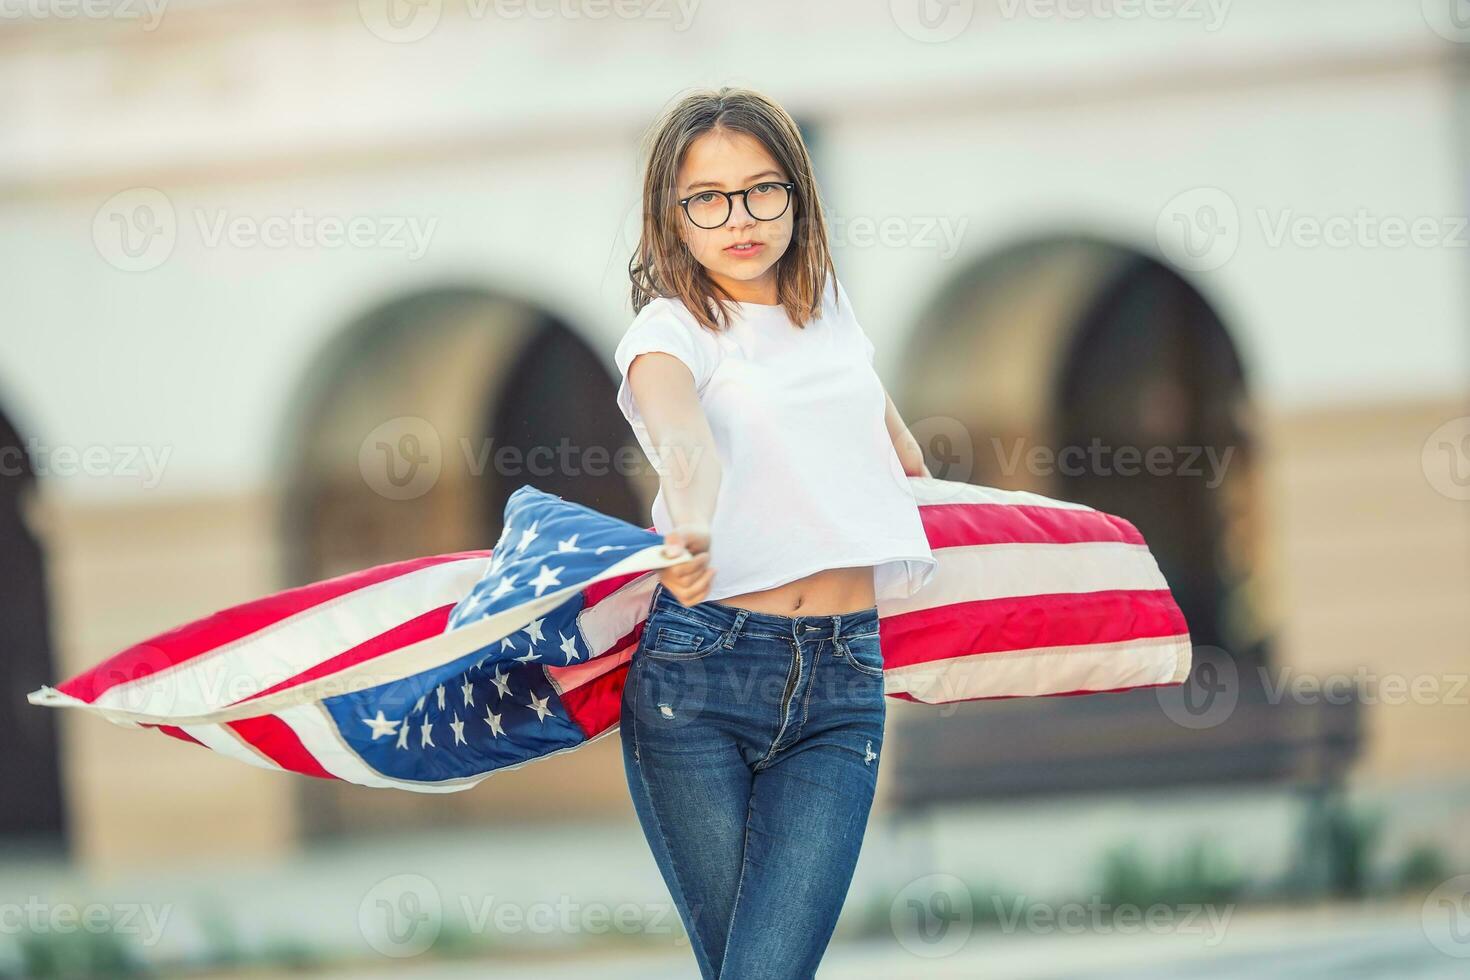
x,y
830,592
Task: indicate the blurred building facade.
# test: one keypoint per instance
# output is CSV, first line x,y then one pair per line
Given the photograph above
x,y
257,252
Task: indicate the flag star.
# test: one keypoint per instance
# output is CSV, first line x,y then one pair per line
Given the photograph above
x,y
506,584
605,547
458,727
418,705
439,692
381,726
468,690
527,536
499,680
570,544
538,705
424,739
568,646
493,720
534,630
403,735
545,579
533,655
507,642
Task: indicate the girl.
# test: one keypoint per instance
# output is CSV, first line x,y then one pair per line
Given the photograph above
x,y
753,711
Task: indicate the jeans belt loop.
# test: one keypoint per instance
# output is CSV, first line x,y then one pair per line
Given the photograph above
x,y
734,629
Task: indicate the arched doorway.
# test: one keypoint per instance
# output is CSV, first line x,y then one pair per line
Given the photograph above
x,y
1089,371
32,814
409,432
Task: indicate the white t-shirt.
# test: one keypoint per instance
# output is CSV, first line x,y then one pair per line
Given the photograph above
x,y
811,480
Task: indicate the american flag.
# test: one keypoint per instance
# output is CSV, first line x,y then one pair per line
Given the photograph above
x,y
431,674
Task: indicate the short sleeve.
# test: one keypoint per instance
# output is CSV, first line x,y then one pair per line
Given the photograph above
x,y
667,333
845,310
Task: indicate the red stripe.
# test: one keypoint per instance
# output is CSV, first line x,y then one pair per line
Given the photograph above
x,y
183,643
949,525
1026,622
275,739
597,705
176,732
431,623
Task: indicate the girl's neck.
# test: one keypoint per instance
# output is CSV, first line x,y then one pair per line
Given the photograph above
x,y
754,292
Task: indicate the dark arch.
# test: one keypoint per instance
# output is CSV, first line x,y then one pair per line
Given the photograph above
x,y
483,377
32,812
1151,367
1060,342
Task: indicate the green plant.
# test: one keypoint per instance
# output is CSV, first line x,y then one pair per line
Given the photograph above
x,y
76,955
1198,874
1423,867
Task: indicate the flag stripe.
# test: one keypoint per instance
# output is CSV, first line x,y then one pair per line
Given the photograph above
x,y
1002,571
275,739
992,626
225,741
241,623
592,693
431,623
251,664
1033,672
948,525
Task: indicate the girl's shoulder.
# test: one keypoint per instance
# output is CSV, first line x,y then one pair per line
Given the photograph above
x,y
668,315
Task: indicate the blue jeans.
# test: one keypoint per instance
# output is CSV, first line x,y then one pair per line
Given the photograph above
x,y
751,742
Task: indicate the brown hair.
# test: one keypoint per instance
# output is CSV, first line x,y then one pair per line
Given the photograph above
x,y
662,264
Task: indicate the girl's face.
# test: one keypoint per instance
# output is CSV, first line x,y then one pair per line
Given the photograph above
x,y
732,161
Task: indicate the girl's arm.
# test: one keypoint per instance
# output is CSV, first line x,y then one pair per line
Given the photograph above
x,y
689,467
904,443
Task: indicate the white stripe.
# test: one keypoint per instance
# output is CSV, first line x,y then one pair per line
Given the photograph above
x,y
1045,670
968,573
226,741
395,665
931,491
605,623
568,679
286,648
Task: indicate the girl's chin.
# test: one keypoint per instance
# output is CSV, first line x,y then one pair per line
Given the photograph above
x,y
744,270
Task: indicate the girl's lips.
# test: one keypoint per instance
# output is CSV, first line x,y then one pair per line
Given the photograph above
x,y
745,253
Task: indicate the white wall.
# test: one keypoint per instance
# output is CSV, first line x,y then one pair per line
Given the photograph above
x,y
526,172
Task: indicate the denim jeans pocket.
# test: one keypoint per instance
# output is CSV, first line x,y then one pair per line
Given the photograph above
x,y
864,653
667,637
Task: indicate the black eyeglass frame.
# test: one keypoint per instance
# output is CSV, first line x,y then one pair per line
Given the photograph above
x,y
730,196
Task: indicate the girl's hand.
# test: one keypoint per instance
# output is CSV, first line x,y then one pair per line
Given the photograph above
x,y
690,581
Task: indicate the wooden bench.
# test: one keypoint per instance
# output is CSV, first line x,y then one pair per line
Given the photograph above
x,y
1031,749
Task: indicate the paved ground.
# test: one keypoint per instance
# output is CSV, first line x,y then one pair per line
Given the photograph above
x,y
1347,942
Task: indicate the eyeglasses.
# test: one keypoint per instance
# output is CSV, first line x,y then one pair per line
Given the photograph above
x,y
765,201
